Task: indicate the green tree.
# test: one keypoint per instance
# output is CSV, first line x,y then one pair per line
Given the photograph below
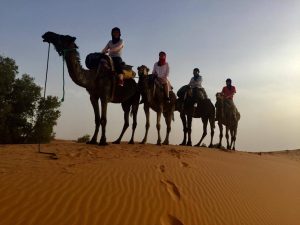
x,y
47,115
25,117
8,73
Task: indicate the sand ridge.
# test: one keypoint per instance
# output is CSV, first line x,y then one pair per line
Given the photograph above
x,y
146,185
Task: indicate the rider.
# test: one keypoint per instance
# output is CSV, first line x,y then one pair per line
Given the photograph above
x,y
196,85
161,70
228,91
114,48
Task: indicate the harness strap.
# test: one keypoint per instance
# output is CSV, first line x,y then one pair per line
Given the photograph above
x,y
64,55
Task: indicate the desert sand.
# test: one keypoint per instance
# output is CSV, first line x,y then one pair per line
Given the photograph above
x,y
146,185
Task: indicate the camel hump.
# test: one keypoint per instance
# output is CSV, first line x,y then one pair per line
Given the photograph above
x,y
182,90
92,60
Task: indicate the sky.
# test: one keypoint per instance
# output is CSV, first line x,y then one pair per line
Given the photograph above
x,y
255,43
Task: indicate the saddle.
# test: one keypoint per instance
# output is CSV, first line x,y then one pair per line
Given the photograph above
x,y
127,71
92,61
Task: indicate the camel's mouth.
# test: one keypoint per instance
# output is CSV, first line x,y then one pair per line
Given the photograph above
x,y
48,36
44,38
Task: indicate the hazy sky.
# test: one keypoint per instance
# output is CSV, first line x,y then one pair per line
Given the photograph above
x,y
256,43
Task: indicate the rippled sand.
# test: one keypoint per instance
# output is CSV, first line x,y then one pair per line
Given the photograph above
x,y
146,185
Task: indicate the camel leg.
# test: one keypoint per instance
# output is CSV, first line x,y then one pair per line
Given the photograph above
x,y
212,130
189,130
168,118
227,137
126,109
147,113
158,116
231,137
234,138
95,105
221,134
103,122
204,122
183,120
134,109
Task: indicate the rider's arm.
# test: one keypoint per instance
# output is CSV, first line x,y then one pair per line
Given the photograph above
x,y
165,72
105,48
166,75
154,69
117,48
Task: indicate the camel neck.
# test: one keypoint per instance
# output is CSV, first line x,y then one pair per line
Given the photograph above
x,y
76,72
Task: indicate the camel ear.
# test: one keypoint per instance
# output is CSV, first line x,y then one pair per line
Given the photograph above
x,y
138,67
147,69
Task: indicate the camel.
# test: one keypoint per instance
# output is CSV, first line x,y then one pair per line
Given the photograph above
x,y
204,110
155,99
227,117
100,84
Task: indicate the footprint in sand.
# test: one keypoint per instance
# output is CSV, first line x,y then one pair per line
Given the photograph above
x,y
184,164
170,220
162,168
175,153
172,189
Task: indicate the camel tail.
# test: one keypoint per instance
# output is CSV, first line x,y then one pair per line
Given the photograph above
x,y
173,118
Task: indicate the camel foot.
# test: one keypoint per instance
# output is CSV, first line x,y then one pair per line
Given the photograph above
x,y
189,143
116,142
165,143
197,145
131,142
183,143
103,142
92,142
158,143
143,141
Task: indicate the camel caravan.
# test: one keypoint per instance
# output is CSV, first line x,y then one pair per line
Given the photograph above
x,y
109,79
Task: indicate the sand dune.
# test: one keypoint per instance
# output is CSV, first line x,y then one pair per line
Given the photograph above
x,y
146,185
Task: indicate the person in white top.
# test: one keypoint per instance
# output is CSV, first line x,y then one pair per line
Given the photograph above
x,y
114,49
196,85
161,70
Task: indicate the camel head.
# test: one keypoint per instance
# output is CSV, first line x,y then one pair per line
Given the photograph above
x,y
60,42
143,70
219,96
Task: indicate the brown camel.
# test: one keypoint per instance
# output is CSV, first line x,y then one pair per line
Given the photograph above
x,y
154,98
204,110
99,84
229,118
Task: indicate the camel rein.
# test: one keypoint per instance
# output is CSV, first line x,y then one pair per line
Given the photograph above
x,y
53,155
